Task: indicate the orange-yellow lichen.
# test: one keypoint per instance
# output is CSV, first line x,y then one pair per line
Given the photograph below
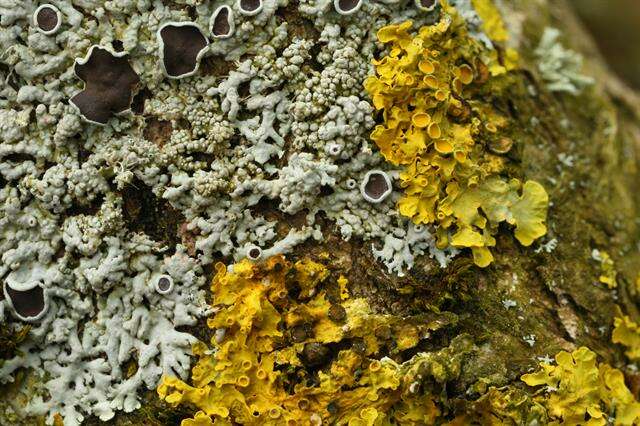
x,y
627,332
492,23
502,406
262,370
579,391
439,133
608,269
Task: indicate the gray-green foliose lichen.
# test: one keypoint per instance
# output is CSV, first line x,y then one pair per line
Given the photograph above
x,y
561,68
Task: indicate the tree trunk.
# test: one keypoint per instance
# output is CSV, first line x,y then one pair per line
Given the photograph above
x,y
560,293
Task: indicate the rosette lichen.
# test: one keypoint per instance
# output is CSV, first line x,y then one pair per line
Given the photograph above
x,y
561,68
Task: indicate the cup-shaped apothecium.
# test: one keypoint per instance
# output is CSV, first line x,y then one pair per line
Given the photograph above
x,y
221,24
347,7
47,19
109,84
254,252
426,5
376,186
250,7
182,45
29,302
164,284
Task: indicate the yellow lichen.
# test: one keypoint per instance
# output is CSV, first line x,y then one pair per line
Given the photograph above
x,y
492,23
502,406
608,268
579,391
627,333
439,133
261,369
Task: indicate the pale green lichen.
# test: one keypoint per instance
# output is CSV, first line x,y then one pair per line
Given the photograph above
x,y
561,68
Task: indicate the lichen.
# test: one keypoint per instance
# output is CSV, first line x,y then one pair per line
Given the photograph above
x,y
261,148
627,333
507,405
608,274
275,327
561,68
433,122
579,390
492,23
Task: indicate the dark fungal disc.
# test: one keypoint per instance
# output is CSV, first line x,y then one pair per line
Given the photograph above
x,y
300,333
255,253
426,5
164,284
348,5
181,47
376,186
109,81
28,303
47,18
337,313
221,23
315,354
250,5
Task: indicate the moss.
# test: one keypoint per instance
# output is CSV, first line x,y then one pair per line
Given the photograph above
x,y
502,406
152,412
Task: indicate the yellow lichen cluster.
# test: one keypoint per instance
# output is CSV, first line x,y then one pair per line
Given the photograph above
x,y
627,332
272,362
492,23
608,274
579,391
448,142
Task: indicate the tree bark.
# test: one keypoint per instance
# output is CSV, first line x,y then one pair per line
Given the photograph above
x,y
528,303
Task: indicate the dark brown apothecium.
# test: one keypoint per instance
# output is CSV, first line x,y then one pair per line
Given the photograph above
x,y
47,18
427,5
250,7
164,284
347,7
182,45
109,84
376,186
28,304
221,24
